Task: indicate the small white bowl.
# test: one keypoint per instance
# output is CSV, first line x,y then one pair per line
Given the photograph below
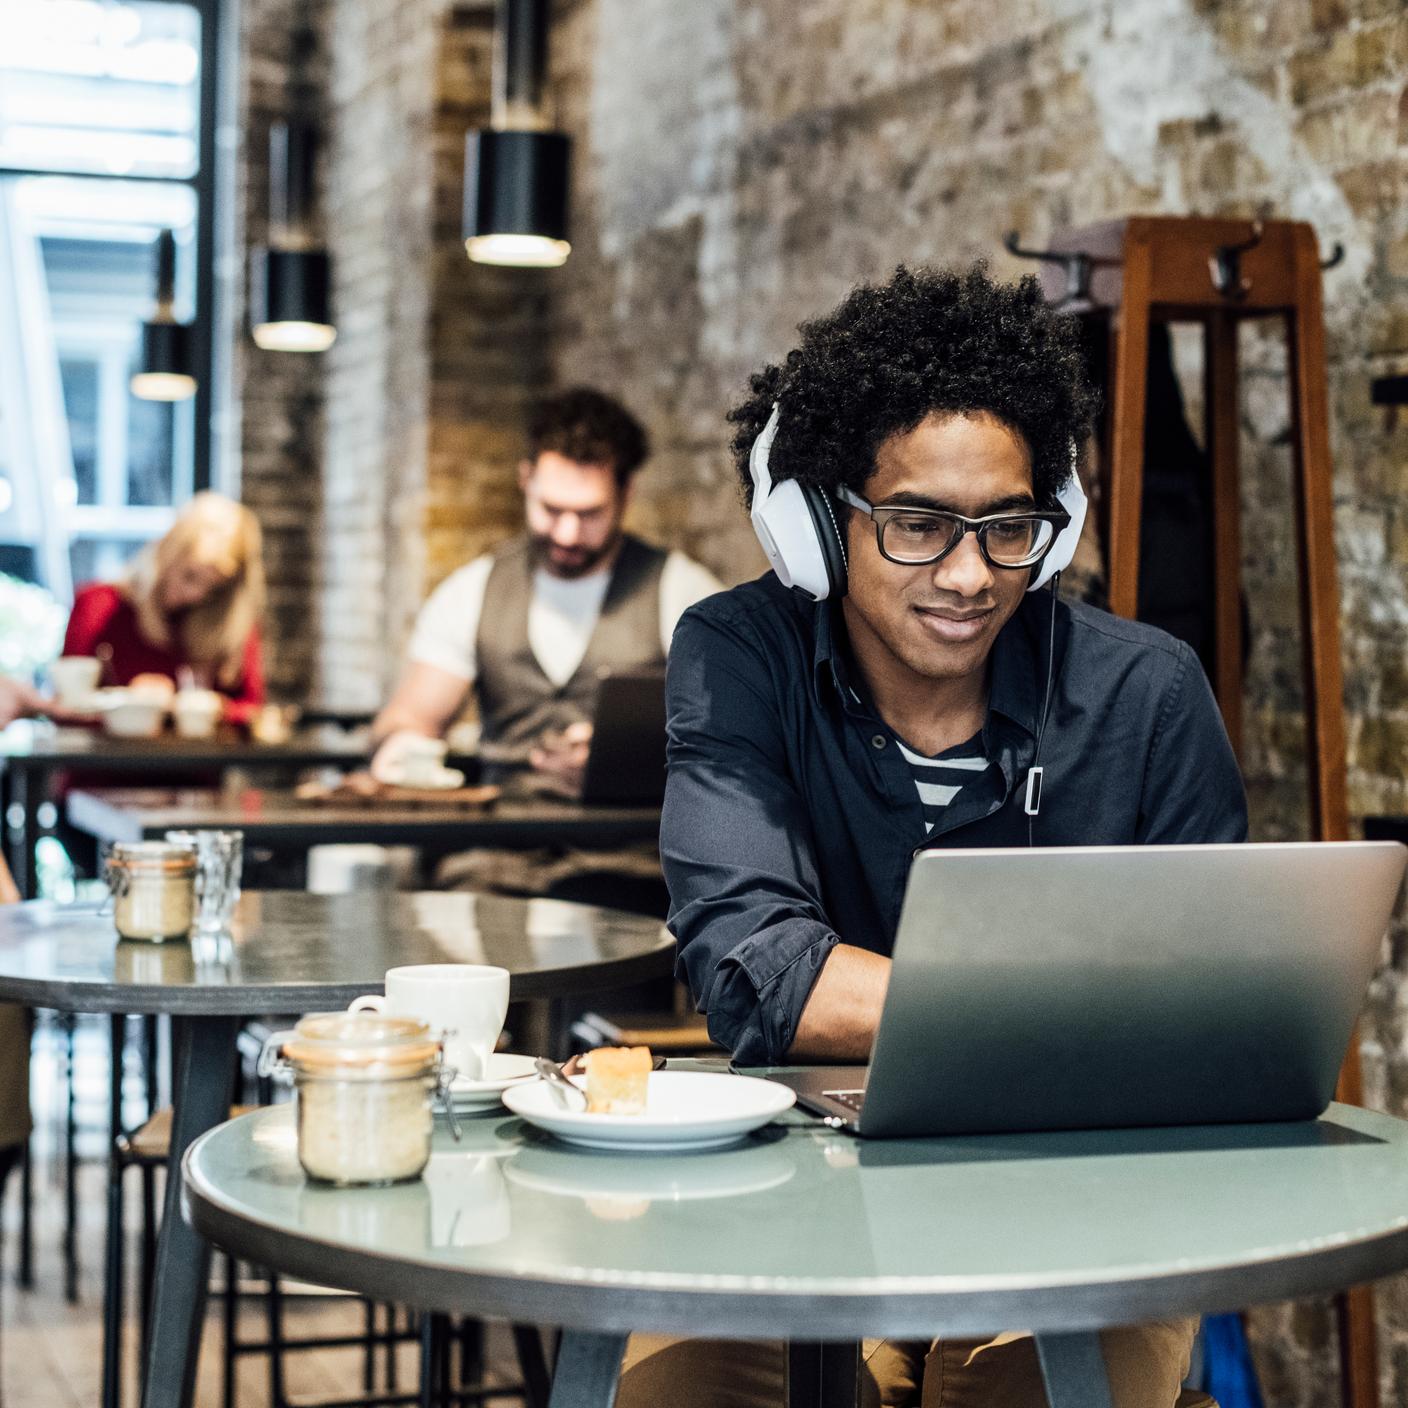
x,y
131,715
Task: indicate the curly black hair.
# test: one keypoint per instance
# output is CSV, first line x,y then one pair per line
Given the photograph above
x,y
928,340
589,427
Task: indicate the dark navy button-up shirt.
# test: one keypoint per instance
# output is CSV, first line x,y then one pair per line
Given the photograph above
x,y
791,815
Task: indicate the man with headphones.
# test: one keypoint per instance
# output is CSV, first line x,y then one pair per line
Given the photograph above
x,y
906,676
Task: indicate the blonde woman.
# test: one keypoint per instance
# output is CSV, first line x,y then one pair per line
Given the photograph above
x,y
188,608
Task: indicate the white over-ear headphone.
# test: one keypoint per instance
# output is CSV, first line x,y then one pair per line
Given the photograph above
x,y
798,529
1071,497
784,520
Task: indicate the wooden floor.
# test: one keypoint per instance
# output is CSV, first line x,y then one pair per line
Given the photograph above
x,y
51,1352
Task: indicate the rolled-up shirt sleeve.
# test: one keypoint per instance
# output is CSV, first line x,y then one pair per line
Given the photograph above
x,y
736,846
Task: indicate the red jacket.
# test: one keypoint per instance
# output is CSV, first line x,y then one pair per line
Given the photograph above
x,y
103,616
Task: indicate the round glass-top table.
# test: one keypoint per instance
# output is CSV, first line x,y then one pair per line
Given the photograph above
x,y
288,952
293,951
804,1234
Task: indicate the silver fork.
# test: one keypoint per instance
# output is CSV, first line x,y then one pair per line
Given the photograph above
x,y
557,1081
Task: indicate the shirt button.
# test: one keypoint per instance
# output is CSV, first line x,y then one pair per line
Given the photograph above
x,y
878,741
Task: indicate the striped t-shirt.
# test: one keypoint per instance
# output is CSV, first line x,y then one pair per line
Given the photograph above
x,y
942,778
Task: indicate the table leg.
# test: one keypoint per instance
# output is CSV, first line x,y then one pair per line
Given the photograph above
x,y
70,1242
204,1072
822,1375
1074,1370
26,1272
532,1364
588,1368
22,798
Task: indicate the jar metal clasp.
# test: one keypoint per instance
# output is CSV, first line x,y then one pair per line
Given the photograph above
x,y
444,1078
119,881
272,1061
274,1064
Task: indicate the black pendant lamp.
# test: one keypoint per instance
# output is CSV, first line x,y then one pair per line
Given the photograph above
x,y
290,282
167,353
516,171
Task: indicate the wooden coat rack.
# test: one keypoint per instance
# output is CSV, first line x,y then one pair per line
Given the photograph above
x,y
1219,273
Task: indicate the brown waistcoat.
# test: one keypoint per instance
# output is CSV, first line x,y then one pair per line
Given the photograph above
x,y
517,701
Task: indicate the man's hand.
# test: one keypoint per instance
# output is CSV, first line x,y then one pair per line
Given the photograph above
x,y
562,757
839,1021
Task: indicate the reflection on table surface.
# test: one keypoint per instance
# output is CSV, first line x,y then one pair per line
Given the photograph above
x,y
63,746
295,938
126,813
796,1202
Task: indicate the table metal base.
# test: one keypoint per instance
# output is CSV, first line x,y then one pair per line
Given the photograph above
x,y
588,1368
825,1375
204,1049
1074,1370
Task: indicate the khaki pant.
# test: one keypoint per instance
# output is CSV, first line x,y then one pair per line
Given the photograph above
x,y
1146,1365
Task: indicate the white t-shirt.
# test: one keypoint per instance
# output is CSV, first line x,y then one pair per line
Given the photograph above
x,y
561,616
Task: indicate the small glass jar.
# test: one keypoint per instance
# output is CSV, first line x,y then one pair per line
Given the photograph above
x,y
364,1084
153,886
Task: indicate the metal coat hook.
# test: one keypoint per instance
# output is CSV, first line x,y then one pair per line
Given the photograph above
x,y
1079,267
1225,264
1336,256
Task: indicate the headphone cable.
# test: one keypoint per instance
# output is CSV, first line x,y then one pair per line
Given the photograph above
x,y
1034,773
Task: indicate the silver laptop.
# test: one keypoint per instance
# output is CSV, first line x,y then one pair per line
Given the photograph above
x,y
1100,987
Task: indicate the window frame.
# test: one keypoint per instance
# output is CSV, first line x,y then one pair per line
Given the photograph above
x,y
206,188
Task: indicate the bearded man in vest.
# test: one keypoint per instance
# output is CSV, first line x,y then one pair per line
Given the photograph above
x,y
531,627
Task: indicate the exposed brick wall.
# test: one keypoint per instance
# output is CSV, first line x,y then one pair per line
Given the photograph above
x,y
486,336
434,357
278,395
741,163
380,98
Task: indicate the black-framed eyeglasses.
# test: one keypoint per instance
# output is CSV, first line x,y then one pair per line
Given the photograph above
x,y
916,537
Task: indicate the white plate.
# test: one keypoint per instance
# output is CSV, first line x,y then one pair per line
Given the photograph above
x,y
683,1110
504,1069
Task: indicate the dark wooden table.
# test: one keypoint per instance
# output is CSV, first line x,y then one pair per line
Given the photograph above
x,y
30,760
290,952
275,818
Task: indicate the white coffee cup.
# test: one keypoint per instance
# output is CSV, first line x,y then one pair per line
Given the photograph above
x,y
464,1004
197,712
75,678
422,761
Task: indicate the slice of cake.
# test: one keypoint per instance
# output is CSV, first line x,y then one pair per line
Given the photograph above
x,y
616,1079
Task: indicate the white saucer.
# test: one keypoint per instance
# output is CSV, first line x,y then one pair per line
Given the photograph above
x,y
504,1069
441,780
684,1110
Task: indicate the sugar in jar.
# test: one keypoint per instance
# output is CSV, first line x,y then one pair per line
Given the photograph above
x,y
153,885
364,1084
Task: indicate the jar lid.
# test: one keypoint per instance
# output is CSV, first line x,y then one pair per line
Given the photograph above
x,y
164,856
361,1044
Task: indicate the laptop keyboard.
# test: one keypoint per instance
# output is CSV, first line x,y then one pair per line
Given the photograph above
x,y
851,1099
